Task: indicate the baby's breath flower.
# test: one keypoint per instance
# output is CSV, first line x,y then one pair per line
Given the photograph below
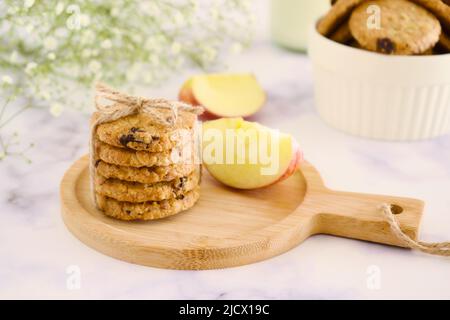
x,y
86,53
30,67
13,10
76,20
87,37
73,9
94,66
44,94
179,19
7,80
51,56
149,8
28,4
29,28
56,109
194,4
150,44
236,48
214,12
59,8
50,43
176,48
85,20
115,12
209,54
106,44
14,57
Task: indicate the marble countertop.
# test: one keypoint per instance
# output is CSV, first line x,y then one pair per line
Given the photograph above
x,y
38,255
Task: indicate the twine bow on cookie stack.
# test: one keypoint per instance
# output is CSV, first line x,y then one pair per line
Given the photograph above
x,y
112,105
124,105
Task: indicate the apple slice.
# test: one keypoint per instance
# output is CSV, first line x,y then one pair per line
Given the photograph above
x,y
247,155
224,95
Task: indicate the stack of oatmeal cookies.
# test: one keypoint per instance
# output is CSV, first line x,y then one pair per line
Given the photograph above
x,y
144,170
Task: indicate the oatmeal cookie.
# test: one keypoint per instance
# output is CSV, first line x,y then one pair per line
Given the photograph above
x,y
140,132
147,210
132,158
342,34
141,192
444,43
406,28
441,9
338,13
144,174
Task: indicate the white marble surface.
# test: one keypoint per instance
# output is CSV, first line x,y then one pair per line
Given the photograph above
x,y
36,249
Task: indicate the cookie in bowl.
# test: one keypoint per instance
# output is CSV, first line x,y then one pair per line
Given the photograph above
x,y
405,28
385,83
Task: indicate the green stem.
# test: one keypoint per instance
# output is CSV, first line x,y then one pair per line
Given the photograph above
x,y
2,111
14,115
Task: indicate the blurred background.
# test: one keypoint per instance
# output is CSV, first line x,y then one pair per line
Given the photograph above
x,y
51,54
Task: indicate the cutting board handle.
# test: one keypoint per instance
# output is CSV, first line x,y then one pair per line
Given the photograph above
x,y
358,216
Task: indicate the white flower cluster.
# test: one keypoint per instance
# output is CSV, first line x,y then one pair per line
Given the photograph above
x,y
48,47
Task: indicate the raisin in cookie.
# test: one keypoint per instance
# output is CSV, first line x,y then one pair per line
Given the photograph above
x,y
140,132
405,28
144,174
140,192
147,210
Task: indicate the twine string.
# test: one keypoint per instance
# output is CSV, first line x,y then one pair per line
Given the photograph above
x,y
436,248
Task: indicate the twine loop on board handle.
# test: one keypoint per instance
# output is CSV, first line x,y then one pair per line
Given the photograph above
x,y
436,248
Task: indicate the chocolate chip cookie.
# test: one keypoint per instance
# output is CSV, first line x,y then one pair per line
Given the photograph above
x,y
405,27
140,192
146,210
140,132
144,174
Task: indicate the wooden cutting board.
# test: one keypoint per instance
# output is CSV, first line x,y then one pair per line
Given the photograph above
x,y
231,227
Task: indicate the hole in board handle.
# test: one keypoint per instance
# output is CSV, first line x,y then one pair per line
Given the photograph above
x,y
396,209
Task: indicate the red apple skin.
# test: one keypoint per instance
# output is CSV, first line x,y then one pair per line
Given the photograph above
x,y
293,165
187,95
207,116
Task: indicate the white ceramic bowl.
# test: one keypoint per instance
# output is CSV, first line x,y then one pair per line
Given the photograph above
x,y
379,96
